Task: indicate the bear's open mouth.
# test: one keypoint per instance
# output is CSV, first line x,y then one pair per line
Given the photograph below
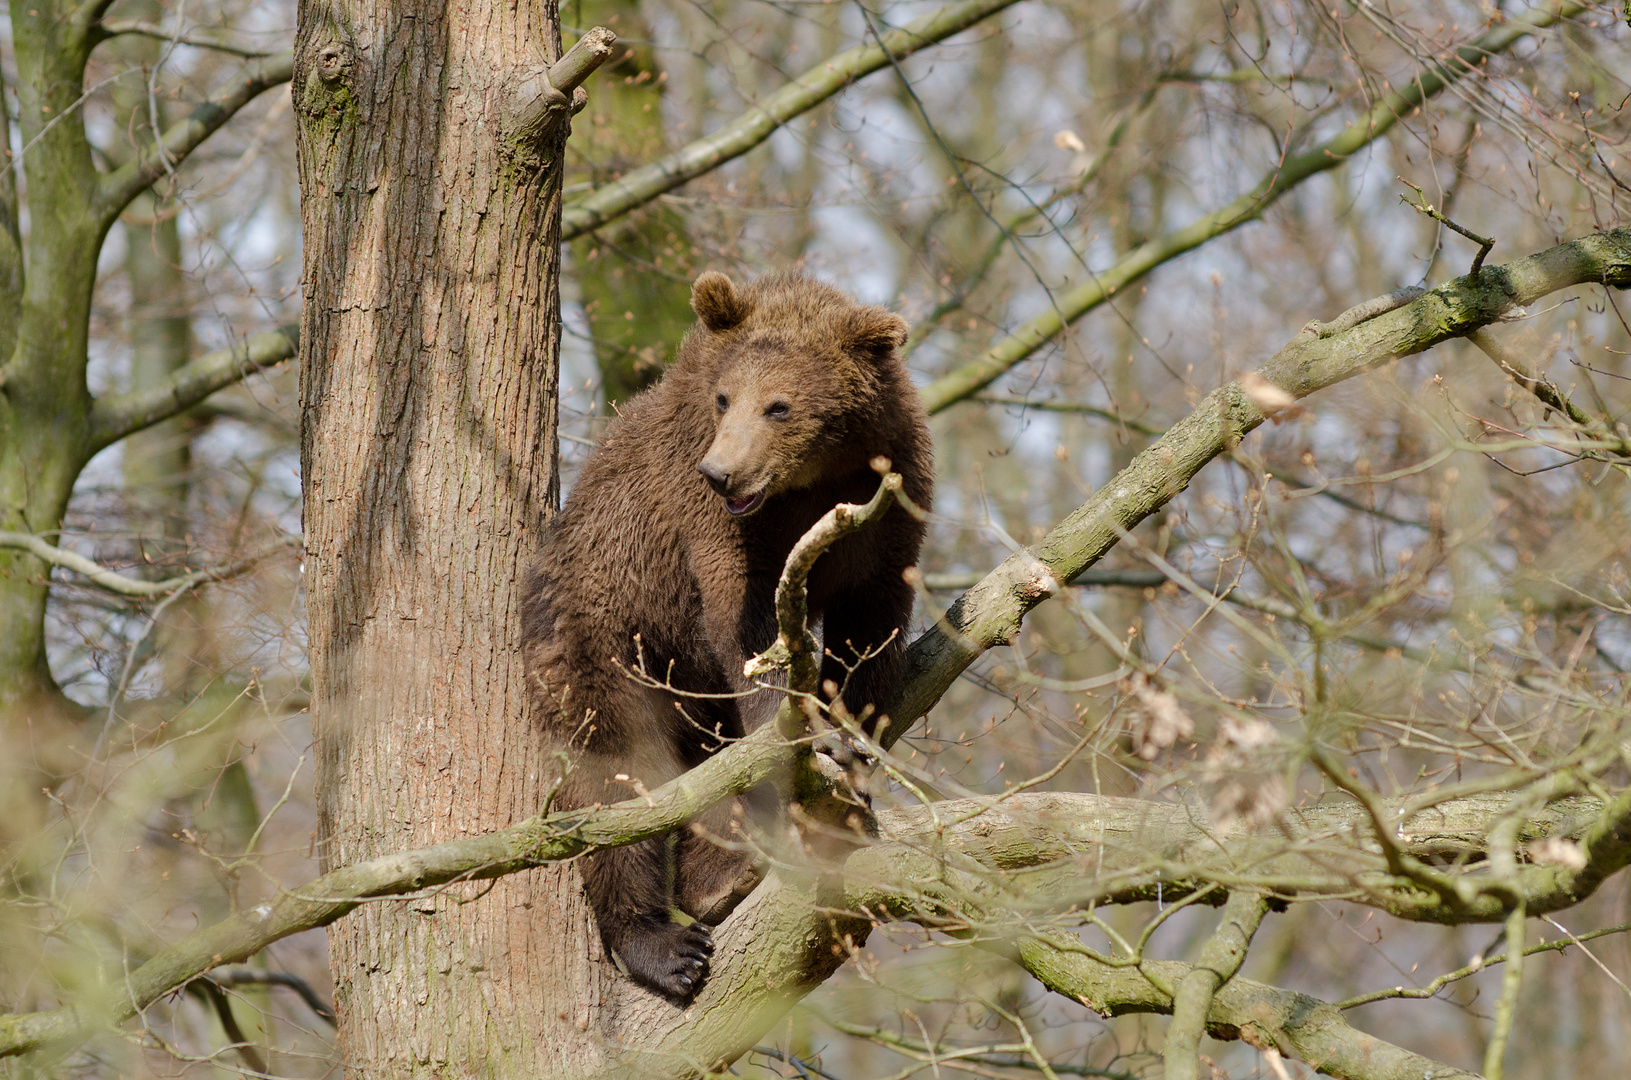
x,y
745,505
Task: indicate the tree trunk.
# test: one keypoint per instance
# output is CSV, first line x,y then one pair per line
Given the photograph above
x,y
429,351
44,327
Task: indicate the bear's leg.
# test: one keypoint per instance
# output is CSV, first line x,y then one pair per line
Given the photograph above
x,y
864,641
628,889
711,879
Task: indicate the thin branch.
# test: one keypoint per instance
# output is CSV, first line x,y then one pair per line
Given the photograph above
x,y
817,84
1479,963
116,190
962,382
1422,206
211,992
1506,1007
114,417
1073,407
1548,394
1134,579
199,39
253,976
101,576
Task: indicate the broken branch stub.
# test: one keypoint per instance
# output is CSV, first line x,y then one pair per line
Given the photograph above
x,y
541,97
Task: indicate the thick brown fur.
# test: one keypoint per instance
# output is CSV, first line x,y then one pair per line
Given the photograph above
x,y
775,405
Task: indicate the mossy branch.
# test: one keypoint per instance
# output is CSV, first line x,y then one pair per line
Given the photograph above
x,y
815,85
964,382
905,876
990,613
320,902
1267,1017
115,416
1220,959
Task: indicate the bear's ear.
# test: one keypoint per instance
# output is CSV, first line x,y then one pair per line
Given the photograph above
x,y
874,330
718,303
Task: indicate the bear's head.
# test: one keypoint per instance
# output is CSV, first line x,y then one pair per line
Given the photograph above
x,y
799,373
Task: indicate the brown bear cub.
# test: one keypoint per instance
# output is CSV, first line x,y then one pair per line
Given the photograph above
x,y
665,559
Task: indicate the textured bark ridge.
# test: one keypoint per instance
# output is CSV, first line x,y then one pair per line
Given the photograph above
x,y
429,350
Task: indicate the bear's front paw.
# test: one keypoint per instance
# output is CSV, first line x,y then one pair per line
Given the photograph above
x,y
668,958
856,763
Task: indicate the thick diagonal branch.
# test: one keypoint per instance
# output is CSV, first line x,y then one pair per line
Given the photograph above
x,y
991,612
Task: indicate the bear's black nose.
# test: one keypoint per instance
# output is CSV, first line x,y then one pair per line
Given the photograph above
x,y
718,478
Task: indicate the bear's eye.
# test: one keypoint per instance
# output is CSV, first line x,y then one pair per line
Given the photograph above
x,y
778,410
723,402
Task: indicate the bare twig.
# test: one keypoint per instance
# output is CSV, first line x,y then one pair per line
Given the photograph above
x,y
992,611
1422,206
961,383
198,39
1548,394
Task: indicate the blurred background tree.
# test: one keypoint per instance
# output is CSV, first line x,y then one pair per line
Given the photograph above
x,y
1093,214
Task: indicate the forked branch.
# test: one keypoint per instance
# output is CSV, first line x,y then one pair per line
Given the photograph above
x,y
991,612
795,646
118,188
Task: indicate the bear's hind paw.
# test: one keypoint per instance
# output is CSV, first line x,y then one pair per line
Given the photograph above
x,y
670,959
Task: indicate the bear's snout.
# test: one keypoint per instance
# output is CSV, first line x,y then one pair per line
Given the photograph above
x,y
718,478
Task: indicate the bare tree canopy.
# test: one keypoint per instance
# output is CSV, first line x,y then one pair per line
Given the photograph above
x,y
1265,708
